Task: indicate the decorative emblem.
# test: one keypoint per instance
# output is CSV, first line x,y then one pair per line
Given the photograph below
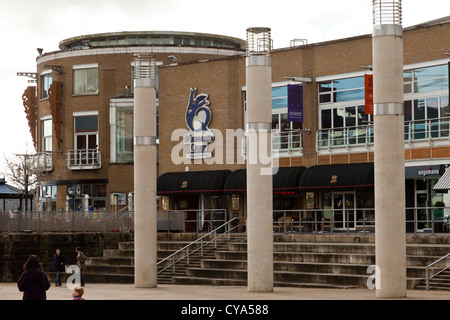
x,y
334,179
198,117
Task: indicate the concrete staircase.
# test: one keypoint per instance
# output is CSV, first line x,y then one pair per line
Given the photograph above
x,y
309,264
299,261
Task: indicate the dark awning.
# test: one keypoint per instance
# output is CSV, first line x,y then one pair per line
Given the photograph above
x,y
286,179
342,176
192,182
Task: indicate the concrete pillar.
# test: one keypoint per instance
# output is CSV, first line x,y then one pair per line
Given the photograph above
x,y
145,176
259,171
390,227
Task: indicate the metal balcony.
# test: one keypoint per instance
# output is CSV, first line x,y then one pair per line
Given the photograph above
x,y
85,159
42,162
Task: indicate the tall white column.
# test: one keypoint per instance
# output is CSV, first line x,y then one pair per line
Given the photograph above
x,y
259,172
390,227
145,176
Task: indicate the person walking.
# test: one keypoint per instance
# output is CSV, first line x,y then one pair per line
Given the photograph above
x,y
33,281
58,266
81,263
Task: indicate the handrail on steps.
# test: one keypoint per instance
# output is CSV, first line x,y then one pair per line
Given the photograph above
x,y
427,270
202,244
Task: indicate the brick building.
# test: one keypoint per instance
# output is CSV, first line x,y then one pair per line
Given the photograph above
x,y
326,159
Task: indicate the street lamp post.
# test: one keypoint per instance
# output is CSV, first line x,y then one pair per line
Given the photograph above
x,y
389,156
145,236
259,172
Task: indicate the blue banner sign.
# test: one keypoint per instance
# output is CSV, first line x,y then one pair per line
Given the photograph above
x,y
295,103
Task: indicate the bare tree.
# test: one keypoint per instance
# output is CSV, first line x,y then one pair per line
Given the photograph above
x,y
19,171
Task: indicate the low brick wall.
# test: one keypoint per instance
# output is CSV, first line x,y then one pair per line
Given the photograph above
x,y
15,248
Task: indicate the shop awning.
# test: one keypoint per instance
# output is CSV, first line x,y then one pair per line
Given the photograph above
x,y
342,176
443,183
285,180
192,182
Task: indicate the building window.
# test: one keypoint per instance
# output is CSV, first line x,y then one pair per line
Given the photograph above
x,y
124,135
86,132
46,82
341,90
46,126
427,79
48,198
76,197
285,134
85,80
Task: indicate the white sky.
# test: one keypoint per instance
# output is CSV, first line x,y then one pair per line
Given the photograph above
x,y
26,25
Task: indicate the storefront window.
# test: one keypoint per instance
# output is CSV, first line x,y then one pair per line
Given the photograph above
x,y
76,195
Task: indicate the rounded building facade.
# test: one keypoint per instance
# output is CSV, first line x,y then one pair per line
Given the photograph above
x,y
83,132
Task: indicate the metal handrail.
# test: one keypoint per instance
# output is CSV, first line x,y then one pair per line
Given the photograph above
x,y
427,270
202,244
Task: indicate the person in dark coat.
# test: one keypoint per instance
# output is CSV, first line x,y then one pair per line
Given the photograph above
x,y
33,281
81,263
58,266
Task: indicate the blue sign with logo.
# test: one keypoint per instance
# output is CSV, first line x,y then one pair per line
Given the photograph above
x,y
198,117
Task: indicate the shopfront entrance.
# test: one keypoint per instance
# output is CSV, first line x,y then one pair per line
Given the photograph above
x,y
344,211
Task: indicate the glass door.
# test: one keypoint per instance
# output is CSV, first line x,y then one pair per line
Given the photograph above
x,y
344,215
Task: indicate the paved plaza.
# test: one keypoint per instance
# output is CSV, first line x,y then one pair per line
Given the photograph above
x,y
9,291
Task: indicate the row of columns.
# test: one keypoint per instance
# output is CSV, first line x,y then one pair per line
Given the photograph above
x,y
389,163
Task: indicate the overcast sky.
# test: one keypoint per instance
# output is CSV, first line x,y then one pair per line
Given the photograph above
x,y
26,25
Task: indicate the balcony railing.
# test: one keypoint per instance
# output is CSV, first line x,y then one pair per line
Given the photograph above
x,y
42,162
85,159
290,141
429,130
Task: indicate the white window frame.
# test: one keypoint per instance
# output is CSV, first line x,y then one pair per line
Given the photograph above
x,y
85,67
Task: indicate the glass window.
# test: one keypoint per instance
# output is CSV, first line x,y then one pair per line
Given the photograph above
x,y
279,97
142,40
86,132
186,41
46,126
350,117
349,95
341,90
431,85
177,40
326,119
349,83
132,40
156,40
85,81
445,112
338,117
124,135
198,42
426,79
165,40
431,72
46,82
